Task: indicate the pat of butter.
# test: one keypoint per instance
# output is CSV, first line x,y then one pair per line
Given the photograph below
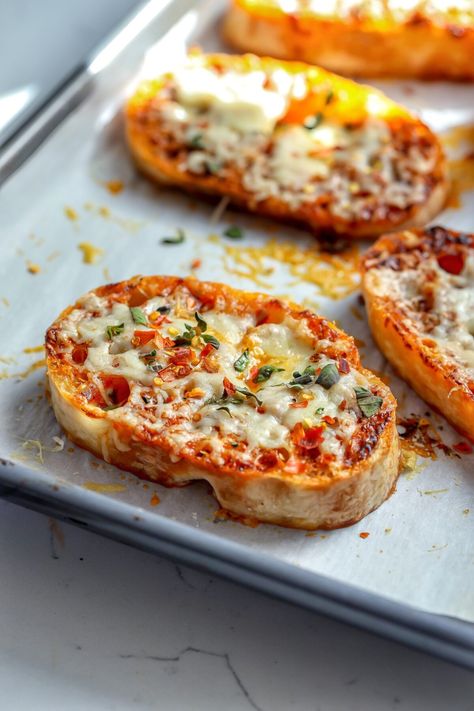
x,y
236,100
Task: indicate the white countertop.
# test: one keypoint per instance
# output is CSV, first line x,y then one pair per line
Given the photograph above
x,y
90,623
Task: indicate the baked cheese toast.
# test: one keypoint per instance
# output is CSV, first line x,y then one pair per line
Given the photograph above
x,y
289,141
420,39
178,380
419,292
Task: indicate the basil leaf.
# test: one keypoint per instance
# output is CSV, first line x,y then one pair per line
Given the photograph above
x,y
138,316
265,372
328,376
368,402
200,322
112,331
234,232
247,393
211,339
242,361
176,239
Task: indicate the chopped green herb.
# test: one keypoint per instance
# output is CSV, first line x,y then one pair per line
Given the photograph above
x,y
138,316
242,361
112,331
234,232
163,309
304,378
329,97
313,121
186,337
175,239
234,444
196,141
319,411
200,322
146,399
247,393
213,166
226,409
265,372
328,376
211,339
368,402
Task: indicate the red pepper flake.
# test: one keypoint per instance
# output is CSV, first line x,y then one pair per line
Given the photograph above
x,y
260,409
308,438
297,405
196,263
207,350
181,356
342,405
79,353
253,373
329,420
364,534
463,447
451,263
117,388
343,366
155,500
141,338
229,388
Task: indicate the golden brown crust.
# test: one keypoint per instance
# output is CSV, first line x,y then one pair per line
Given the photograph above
x,y
157,154
312,494
421,47
402,327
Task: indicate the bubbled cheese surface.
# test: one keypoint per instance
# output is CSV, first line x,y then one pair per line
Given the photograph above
x,y
192,408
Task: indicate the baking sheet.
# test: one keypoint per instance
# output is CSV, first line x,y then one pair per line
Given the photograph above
x,y
419,549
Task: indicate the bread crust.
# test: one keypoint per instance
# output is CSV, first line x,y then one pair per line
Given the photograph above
x,y
406,330
420,47
162,160
310,496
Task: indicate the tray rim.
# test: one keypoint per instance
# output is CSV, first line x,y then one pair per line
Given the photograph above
x,y
445,637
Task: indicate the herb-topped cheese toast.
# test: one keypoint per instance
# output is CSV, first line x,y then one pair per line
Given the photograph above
x,y
427,39
419,292
177,380
290,141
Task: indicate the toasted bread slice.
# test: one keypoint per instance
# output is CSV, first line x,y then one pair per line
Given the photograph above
x,y
290,141
419,292
176,380
428,39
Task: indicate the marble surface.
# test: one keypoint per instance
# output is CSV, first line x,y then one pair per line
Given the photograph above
x,y
89,623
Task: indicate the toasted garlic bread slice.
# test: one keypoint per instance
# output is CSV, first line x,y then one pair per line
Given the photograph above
x,y
290,141
176,380
425,39
419,292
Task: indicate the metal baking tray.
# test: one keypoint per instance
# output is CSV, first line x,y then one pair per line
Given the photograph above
x,y
62,202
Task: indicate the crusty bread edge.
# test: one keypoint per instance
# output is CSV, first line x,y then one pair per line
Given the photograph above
x,y
282,500
420,217
414,360
423,51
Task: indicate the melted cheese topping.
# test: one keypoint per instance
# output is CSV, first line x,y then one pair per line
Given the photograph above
x,y
191,407
449,324
233,120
